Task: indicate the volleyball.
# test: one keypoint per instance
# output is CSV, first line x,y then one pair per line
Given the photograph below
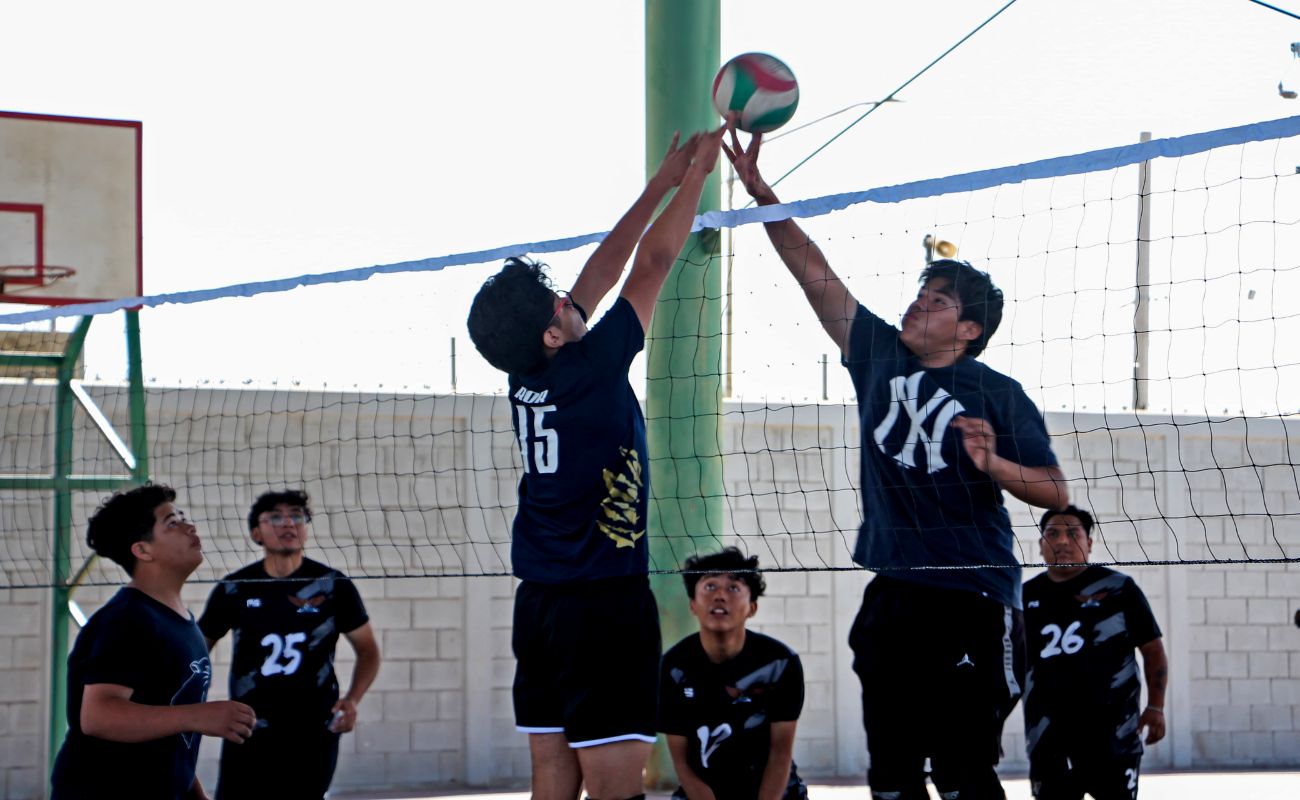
x,y
758,86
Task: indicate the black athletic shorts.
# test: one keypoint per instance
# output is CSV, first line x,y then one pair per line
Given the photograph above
x,y
587,660
286,764
1066,776
940,669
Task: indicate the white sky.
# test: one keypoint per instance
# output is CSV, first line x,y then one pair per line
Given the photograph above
x,y
291,137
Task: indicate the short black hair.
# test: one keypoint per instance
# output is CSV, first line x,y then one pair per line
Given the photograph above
x,y
729,561
509,314
1085,519
981,301
269,500
124,519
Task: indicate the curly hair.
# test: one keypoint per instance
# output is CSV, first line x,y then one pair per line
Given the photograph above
x,y
269,500
728,561
124,519
509,314
981,301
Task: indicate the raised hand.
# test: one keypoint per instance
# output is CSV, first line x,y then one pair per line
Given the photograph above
x,y
676,161
745,162
706,149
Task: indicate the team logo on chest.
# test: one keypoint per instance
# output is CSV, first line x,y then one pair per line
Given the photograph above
x,y
904,400
309,606
1091,600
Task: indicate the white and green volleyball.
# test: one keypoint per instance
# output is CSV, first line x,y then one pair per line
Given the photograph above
x,y
759,86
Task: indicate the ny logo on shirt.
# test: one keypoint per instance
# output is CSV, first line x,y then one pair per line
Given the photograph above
x,y
904,396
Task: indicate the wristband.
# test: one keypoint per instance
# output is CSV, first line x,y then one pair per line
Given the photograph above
x,y
1159,711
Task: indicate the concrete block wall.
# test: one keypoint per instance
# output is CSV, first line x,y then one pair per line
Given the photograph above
x,y
441,501
23,692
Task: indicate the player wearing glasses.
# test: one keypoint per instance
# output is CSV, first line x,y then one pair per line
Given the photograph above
x,y
287,612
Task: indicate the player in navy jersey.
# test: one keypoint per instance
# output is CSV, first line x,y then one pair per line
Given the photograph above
x,y
586,628
729,698
940,652
138,674
287,612
1082,720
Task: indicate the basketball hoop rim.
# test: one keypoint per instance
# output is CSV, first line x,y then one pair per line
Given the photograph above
x,y
19,280
43,275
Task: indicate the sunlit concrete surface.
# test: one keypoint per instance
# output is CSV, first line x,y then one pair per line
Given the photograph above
x,y
1180,786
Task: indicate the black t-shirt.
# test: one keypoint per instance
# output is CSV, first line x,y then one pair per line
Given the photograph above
x,y
726,710
285,630
924,502
134,641
579,427
1083,687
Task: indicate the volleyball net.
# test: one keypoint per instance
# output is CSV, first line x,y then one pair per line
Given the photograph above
x,y
1150,314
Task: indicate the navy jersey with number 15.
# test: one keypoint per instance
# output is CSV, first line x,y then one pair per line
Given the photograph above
x,y
582,497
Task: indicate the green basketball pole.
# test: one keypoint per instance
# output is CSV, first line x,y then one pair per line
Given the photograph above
x,y
684,356
62,556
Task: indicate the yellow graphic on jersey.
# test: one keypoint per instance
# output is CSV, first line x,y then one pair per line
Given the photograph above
x,y
618,518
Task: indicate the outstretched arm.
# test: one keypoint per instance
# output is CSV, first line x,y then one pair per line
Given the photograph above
x,y
605,266
663,242
828,296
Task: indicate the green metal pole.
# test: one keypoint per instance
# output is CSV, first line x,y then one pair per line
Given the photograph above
x,y
61,566
684,356
136,398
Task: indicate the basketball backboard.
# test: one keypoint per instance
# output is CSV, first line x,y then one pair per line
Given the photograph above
x,y
70,228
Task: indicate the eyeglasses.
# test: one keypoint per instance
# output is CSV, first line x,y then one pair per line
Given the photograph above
x,y
281,519
562,300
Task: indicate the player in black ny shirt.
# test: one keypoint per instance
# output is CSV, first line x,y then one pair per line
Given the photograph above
x,y
944,438
586,628
1083,623
287,613
729,698
139,672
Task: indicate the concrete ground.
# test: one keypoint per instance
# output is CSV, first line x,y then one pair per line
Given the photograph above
x,y
1171,786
